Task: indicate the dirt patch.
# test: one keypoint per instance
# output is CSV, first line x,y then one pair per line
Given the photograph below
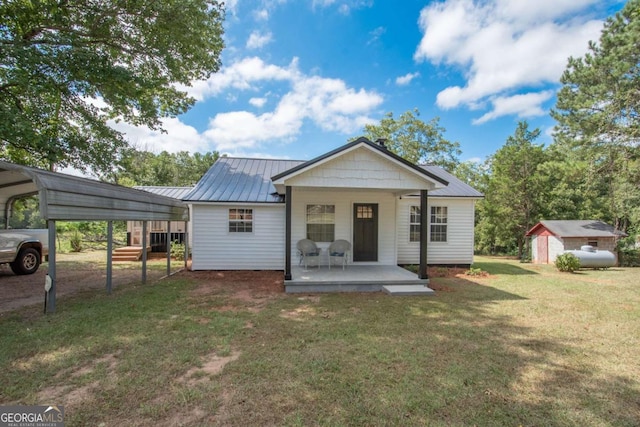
x,y
71,398
75,273
252,290
212,365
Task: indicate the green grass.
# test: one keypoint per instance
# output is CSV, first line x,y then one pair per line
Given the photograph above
x,y
525,346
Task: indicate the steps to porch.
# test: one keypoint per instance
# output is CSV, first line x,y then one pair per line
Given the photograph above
x,y
357,278
128,253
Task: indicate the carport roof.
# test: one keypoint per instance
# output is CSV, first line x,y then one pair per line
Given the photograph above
x,y
72,198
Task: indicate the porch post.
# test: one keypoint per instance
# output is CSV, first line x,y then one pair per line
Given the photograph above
x,y
424,228
287,233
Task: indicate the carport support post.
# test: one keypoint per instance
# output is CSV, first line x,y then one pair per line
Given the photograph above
x,y
287,233
144,252
51,295
168,248
424,229
109,255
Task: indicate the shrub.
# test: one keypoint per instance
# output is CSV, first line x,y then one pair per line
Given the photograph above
x,y
76,242
475,272
629,257
177,250
567,262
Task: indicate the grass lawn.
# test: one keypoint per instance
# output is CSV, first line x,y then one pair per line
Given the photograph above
x,y
525,346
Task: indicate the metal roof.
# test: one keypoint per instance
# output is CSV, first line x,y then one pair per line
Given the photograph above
x,y
456,187
232,179
173,192
72,198
244,180
577,228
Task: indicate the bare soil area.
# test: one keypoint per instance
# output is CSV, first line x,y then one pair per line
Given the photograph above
x,y
76,272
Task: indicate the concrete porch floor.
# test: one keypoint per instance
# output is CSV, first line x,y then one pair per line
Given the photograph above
x,y
356,278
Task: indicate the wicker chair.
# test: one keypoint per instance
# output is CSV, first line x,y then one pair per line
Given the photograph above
x,y
339,251
308,251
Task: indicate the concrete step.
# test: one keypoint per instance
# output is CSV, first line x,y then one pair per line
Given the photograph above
x,y
407,290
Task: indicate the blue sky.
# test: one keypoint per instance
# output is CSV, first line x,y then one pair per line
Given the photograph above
x,y
299,78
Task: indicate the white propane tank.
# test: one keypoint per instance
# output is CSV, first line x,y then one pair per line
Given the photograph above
x,y
592,258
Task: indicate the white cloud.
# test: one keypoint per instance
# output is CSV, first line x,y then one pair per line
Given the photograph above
x,y
241,75
524,105
261,15
329,103
257,40
376,34
258,102
177,137
344,6
406,79
502,46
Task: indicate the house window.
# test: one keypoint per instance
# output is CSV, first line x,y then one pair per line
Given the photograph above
x,y
438,223
414,224
240,220
321,223
593,243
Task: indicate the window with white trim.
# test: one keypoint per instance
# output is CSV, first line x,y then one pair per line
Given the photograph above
x,y
321,223
240,220
414,224
438,224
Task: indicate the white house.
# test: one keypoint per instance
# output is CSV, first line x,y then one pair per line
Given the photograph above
x,y
248,214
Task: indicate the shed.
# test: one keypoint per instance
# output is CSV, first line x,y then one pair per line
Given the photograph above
x,y
551,238
71,198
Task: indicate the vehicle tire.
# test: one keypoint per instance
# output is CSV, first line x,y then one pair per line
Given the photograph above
x,y
27,261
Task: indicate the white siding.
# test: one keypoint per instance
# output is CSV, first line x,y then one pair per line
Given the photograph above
x,y
458,249
556,247
215,248
360,168
344,201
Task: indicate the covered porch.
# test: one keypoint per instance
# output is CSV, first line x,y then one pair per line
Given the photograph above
x,y
356,278
352,194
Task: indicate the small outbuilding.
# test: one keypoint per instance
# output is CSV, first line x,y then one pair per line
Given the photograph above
x,y
551,238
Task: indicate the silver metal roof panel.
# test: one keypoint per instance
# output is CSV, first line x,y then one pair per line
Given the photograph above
x,y
173,192
232,179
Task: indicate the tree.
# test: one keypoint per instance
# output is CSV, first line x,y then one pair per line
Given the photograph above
x,y
68,67
165,169
417,141
598,113
512,198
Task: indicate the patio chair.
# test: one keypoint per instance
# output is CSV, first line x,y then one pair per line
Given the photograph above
x,y
339,250
308,251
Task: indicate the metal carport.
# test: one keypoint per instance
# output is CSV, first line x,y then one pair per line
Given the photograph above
x,y
71,198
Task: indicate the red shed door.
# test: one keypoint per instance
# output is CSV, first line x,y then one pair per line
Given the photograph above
x,y
543,249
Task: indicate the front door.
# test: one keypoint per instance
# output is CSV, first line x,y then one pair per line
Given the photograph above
x,y
365,232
